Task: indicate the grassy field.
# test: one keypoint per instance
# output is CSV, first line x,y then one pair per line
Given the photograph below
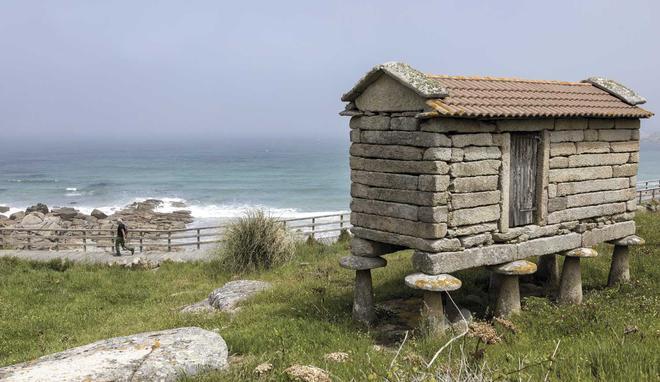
x,y
613,336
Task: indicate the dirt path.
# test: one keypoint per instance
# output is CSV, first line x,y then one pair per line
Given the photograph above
x,y
106,257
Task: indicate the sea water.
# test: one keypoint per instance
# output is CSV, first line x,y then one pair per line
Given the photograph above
x,y
215,180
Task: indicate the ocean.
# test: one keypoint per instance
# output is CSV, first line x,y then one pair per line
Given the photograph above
x,y
216,181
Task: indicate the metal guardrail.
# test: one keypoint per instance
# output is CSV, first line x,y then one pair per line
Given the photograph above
x,y
648,190
144,239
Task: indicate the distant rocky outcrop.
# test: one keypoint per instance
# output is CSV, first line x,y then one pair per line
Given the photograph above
x,y
139,215
152,356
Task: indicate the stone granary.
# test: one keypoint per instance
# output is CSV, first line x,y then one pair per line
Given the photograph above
x,y
482,171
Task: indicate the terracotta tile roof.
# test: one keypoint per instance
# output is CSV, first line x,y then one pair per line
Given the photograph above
x,y
488,97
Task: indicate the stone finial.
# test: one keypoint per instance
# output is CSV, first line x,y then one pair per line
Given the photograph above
x,y
358,263
629,241
515,268
408,76
616,89
581,253
433,283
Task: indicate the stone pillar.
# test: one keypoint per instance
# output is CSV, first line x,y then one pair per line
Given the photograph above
x,y
433,286
508,292
570,288
620,267
548,271
363,295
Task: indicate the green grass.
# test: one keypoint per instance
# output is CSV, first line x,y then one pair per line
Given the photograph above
x,y
45,308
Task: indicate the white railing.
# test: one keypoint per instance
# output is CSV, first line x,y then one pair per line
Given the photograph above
x,y
319,226
648,190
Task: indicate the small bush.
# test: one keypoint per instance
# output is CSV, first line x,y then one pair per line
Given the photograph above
x,y
256,241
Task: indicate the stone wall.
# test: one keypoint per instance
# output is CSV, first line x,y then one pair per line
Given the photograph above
x,y
442,185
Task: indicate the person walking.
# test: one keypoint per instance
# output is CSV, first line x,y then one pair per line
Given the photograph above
x,y
122,236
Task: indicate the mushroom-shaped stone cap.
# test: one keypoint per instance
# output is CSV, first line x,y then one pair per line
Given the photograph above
x,y
630,240
515,268
433,283
581,252
359,263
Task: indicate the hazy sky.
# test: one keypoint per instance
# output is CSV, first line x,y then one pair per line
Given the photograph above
x,y
228,70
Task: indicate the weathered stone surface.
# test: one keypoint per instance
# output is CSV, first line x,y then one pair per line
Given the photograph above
x,y
355,136
511,234
474,199
616,89
629,241
556,204
577,174
405,138
580,213
562,149
457,154
433,182
378,207
615,135
362,263
370,248
634,158
152,356
32,219
525,124
407,241
624,170
442,125
433,283
478,168
558,162
380,179
591,160
581,252
593,147
387,151
404,227
99,214
627,123
376,122
480,153
404,123
447,262
475,240
630,146
479,139
570,123
473,229
476,215
387,95
433,214
419,198
39,207
592,198
399,166
549,245
515,268
608,233
438,153
591,135
566,136
475,184
535,231
592,185
599,123
227,297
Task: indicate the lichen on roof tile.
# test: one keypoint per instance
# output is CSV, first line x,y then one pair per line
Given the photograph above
x,y
410,77
616,89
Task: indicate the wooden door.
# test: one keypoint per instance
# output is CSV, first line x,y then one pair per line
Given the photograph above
x,y
522,188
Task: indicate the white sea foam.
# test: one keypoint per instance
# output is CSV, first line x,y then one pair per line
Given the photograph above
x,y
71,189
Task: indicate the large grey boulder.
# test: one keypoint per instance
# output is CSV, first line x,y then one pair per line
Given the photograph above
x,y
98,214
66,213
152,356
227,297
32,219
233,292
39,207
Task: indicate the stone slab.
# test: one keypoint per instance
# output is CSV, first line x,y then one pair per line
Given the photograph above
x,y
406,240
477,168
474,199
405,138
419,198
400,226
399,166
362,263
370,248
387,151
152,356
475,184
387,180
591,186
433,283
391,209
580,213
608,233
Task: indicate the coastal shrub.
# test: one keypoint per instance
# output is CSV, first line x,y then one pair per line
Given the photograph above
x,y
256,241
